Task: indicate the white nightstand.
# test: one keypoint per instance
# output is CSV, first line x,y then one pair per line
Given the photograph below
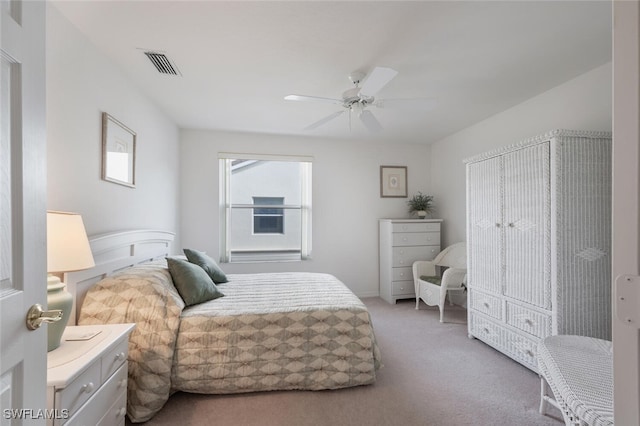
x,y
87,377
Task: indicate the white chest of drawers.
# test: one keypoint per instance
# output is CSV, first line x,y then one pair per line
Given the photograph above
x,y
87,379
402,242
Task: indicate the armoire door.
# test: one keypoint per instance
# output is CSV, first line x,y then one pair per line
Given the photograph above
x,y
527,209
485,224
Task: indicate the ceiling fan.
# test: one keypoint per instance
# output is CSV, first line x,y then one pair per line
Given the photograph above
x,y
357,99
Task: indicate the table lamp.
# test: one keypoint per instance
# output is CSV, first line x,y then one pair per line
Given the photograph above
x,y
68,250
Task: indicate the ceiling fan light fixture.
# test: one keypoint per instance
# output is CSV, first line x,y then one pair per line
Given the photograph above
x,y
356,77
357,108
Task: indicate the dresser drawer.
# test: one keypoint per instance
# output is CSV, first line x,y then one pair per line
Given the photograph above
x,y
488,305
535,323
113,359
79,390
402,274
405,256
416,227
416,239
115,415
401,288
102,401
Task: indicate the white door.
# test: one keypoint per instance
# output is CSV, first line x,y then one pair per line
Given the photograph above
x,y
626,188
22,210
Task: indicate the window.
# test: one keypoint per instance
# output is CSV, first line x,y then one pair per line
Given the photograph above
x,y
265,208
268,220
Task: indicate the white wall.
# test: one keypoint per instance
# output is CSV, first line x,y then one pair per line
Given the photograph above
x,y
583,103
81,83
346,198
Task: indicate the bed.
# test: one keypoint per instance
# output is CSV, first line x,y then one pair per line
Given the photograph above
x,y
271,331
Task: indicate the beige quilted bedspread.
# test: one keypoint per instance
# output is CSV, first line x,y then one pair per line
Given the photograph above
x,y
274,331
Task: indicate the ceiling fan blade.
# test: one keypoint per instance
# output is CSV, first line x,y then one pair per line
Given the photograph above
x,y
324,120
312,99
370,121
378,78
423,104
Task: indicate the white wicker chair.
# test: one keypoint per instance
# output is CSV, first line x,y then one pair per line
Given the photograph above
x,y
431,287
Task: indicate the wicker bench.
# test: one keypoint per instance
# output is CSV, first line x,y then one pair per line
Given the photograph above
x,y
579,372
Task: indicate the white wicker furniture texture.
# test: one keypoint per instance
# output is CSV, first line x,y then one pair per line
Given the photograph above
x,y
434,288
539,241
579,371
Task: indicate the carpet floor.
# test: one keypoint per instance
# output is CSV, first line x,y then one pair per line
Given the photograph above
x,y
432,374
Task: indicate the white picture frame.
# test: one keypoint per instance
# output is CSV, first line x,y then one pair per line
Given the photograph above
x,y
118,152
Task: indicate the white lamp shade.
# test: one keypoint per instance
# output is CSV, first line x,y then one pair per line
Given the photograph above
x,y
67,243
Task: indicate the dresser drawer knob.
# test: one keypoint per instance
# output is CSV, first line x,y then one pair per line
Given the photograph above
x,y
402,262
402,274
486,305
120,357
121,412
404,238
485,330
529,352
528,322
88,388
122,383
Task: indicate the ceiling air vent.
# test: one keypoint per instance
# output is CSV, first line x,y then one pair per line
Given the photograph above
x,y
163,64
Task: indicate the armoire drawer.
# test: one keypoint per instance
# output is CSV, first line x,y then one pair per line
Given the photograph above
x,y
535,323
488,305
485,329
516,346
416,227
522,349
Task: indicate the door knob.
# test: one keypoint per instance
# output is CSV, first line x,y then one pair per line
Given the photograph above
x,y
36,316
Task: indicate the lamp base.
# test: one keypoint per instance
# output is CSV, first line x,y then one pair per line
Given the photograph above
x,y
57,298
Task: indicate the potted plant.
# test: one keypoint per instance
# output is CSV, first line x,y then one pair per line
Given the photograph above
x,y
421,205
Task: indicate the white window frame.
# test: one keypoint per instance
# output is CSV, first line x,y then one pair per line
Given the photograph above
x,y
225,166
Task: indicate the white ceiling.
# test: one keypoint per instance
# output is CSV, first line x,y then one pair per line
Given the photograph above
x,y
239,59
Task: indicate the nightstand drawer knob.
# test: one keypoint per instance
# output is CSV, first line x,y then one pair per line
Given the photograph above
x,y
89,387
120,357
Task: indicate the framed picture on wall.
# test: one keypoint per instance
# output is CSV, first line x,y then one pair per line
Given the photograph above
x,y
393,181
118,152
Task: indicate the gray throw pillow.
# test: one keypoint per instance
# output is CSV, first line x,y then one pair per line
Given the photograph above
x,y
192,282
208,264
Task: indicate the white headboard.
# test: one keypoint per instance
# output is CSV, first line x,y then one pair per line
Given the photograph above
x,y
113,252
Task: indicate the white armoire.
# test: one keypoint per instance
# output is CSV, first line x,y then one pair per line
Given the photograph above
x,y
539,241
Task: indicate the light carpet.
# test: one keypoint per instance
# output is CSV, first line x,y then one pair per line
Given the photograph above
x,y
433,375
